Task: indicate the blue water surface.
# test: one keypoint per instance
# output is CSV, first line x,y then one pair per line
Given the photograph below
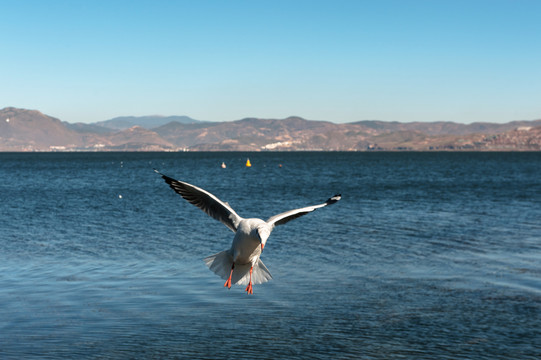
x,y
427,256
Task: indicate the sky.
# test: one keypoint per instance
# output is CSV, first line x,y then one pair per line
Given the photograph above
x,y
336,60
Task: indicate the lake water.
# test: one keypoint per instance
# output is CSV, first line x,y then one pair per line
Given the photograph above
x,y
427,256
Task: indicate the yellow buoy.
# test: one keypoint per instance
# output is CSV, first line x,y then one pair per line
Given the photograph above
x,y
248,163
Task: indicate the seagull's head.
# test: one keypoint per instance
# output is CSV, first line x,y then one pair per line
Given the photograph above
x,y
263,232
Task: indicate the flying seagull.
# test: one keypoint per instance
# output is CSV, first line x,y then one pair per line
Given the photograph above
x,y
241,263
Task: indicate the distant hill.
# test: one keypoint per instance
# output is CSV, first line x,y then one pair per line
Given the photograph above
x,y
22,129
447,128
88,128
147,122
30,130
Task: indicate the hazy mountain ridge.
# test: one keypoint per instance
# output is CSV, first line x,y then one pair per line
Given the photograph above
x,y
447,128
30,130
147,122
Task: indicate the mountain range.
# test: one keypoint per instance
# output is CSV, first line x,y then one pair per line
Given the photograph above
x,y
30,130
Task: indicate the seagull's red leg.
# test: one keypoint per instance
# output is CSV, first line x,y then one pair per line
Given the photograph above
x,y
228,281
249,287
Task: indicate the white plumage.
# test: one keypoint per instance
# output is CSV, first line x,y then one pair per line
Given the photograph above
x,y
241,264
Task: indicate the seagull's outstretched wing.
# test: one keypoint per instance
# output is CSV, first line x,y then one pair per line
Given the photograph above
x,y
204,200
287,216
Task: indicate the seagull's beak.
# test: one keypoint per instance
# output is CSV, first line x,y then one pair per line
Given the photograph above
x,y
262,246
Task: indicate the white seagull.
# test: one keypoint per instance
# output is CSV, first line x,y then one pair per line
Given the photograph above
x,y
241,263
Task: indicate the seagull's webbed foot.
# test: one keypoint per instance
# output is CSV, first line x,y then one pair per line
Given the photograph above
x,y
228,281
249,288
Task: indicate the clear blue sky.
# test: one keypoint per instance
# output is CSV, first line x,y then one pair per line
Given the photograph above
x,y
343,61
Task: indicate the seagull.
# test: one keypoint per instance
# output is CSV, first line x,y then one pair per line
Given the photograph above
x,y
241,264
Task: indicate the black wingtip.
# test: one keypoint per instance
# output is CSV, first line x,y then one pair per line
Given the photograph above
x,y
159,173
334,199
165,177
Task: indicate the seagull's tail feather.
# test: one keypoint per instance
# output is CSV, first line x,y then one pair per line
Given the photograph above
x,y
260,274
221,263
